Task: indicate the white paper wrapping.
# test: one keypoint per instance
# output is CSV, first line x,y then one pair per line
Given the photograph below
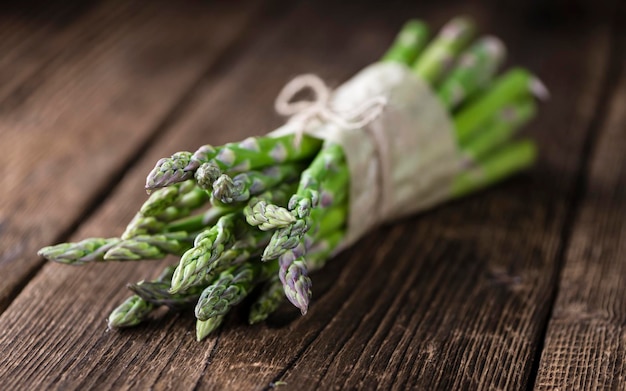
x,y
400,163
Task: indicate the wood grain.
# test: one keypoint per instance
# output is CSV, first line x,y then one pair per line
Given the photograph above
x,y
457,298
585,346
32,36
71,129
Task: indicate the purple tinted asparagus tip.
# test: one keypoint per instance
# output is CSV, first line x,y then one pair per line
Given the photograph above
x,y
539,89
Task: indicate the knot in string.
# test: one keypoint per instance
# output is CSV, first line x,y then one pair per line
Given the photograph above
x,y
320,107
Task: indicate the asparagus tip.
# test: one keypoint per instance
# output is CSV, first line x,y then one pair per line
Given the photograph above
x,y
539,89
495,46
168,171
206,327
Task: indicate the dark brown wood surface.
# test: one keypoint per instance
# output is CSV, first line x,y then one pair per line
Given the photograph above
x,y
517,287
585,345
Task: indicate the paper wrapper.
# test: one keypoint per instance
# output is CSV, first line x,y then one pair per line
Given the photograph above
x,y
400,163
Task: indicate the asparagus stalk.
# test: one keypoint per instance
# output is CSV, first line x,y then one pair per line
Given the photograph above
x,y
273,294
294,276
335,190
499,129
326,164
408,43
206,327
475,68
330,219
201,221
208,246
142,225
249,154
240,188
185,195
268,301
139,246
135,310
206,174
267,216
262,211
323,249
210,254
256,152
440,54
157,293
513,85
155,246
232,286
78,253
293,271
131,312
164,206
501,164
168,171
250,244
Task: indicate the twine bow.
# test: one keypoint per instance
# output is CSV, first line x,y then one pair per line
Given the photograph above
x,y
320,107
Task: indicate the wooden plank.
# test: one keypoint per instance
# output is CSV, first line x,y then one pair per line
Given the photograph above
x,y
31,36
451,299
585,346
74,127
95,361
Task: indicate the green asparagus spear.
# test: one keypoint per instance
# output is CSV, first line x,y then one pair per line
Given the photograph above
x,y
251,183
201,221
501,164
294,275
249,244
208,246
475,69
293,271
206,174
157,293
500,128
510,87
87,250
326,163
232,286
250,154
334,189
185,196
268,301
256,152
440,54
206,327
155,246
322,249
262,211
164,206
135,310
408,43
273,294
169,171
210,253
131,312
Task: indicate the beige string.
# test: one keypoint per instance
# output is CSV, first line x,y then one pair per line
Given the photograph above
x,y
303,111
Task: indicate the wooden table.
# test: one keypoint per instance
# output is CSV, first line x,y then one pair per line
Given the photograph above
x,y
519,287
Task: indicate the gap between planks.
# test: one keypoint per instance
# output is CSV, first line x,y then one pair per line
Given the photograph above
x,y
593,133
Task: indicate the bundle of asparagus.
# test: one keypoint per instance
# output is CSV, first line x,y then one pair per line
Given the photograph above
x,y
259,215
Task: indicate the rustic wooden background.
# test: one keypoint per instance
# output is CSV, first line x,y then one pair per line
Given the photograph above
x,y
519,287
